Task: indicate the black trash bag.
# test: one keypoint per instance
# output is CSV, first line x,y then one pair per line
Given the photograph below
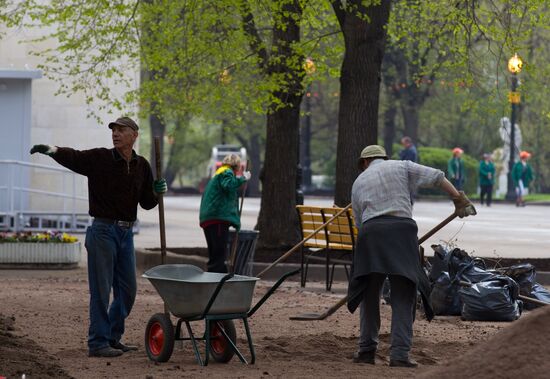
x,y
444,296
537,292
386,291
525,276
465,268
440,262
495,299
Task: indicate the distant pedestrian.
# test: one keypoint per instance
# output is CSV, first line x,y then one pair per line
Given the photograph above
x,y
409,152
220,209
522,175
486,178
455,169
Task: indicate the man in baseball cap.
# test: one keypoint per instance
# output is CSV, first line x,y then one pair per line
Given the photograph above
x,y
118,180
387,245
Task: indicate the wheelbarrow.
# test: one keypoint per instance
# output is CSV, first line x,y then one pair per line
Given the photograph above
x,y
191,294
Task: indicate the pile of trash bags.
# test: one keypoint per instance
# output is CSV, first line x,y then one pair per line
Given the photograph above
x,y
463,286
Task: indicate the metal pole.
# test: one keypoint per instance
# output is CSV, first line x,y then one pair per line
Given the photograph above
x,y
511,191
299,192
307,140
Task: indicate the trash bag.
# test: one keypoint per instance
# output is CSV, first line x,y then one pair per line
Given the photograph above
x,y
495,299
525,276
439,264
540,293
463,267
444,296
386,291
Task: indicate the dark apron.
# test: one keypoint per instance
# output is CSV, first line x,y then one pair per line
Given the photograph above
x,y
387,245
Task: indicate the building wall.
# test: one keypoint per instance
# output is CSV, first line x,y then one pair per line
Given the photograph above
x,y
56,120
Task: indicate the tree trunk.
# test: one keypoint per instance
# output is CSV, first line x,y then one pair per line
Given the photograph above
x,y
409,109
389,126
278,219
360,86
173,166
157,130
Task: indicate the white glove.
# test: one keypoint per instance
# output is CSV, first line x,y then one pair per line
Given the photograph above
x,y
247,175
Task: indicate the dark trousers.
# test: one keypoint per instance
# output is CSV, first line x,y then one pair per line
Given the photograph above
x,y
403,302
216,239
486,190
111,266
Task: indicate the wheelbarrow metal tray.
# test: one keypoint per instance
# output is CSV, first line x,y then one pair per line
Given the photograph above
x,y
186,290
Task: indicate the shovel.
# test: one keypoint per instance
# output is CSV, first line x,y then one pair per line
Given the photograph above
x,y
160,199
341,302
233,255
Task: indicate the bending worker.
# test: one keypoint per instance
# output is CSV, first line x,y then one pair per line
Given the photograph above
x,y
387,245
220,209
118,179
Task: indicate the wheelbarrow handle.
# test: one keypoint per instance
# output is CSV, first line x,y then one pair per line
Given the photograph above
x,y
271,290
215,294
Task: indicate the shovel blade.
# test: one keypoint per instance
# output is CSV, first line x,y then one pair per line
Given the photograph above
x,y
307,317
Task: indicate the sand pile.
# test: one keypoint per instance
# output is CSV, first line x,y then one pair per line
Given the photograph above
x,y
19,355
520,350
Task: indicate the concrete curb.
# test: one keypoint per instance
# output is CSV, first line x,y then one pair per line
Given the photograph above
x,y
146,259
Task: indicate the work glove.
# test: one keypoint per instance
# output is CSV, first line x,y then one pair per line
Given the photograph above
x,y
463,205
44,149
247,175
159,186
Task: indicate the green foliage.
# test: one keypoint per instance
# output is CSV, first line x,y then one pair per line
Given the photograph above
x,y
437,157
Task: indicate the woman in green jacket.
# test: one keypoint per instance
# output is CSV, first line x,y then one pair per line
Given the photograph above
x,y
220,209
455,169
486,178
522,174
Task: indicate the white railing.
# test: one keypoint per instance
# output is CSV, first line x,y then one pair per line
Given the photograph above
x,y
39,197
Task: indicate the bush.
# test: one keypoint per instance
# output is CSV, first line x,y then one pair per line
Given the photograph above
x,y
437,157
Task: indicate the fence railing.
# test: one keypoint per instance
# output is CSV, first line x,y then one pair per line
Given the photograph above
x,y
37,197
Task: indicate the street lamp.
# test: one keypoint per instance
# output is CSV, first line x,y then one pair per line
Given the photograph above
x,y
515,64
309,67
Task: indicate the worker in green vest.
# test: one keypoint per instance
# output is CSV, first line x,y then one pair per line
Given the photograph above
x,y
522,175
486,178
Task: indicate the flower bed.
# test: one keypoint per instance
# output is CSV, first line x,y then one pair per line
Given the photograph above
x,y
39,249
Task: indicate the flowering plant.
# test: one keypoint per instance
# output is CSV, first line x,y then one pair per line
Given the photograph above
x,y
49,236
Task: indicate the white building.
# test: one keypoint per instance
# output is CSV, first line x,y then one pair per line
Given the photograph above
x,y
31,114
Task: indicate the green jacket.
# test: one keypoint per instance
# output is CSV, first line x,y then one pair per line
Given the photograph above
x,y
455,169
518,173
220,200
486,168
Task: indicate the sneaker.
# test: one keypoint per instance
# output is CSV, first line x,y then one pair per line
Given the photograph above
x,y
405,363
125,348
105,352
364,357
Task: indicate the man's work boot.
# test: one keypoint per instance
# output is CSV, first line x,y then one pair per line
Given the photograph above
x,y
122,347
105,352
403,363
364,357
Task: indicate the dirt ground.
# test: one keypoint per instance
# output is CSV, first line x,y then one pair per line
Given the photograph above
x,y
45,321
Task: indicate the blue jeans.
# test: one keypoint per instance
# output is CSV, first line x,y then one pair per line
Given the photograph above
x,y
111,264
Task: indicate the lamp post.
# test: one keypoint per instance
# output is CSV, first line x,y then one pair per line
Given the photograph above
x,y
515,65
309,67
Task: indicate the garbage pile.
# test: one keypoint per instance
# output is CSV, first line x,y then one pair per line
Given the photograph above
x,y
464,286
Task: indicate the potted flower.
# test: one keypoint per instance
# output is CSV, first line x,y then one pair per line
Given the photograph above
x,y
49,248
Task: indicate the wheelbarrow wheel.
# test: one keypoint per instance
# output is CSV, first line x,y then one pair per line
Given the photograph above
x,y
220,349
159,338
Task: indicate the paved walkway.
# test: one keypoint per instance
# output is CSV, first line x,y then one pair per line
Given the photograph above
x,y
499,231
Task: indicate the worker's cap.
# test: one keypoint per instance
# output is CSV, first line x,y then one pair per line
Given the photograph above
x,y
232,160
124,121
373,151
525,155
457,150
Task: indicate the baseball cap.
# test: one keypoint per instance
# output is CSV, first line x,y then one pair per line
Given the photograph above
x,y
124,121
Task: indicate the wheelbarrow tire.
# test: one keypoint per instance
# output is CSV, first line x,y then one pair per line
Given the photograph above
x,y
220,349
159,338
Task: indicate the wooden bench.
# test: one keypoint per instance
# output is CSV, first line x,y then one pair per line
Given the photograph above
x,y
336,241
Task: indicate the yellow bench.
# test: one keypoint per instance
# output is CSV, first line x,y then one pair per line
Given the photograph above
x,y
336,240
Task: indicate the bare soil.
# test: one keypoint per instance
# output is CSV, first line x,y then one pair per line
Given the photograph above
x,y
45,322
